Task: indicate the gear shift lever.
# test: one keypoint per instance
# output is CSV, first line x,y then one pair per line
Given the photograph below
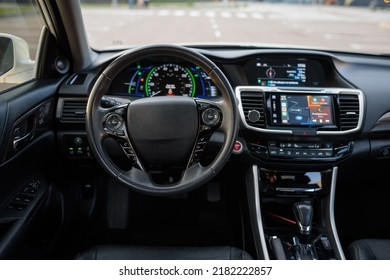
x,y
303,212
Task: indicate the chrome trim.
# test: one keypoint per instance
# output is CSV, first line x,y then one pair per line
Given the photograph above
x,y
305,230
298,190
241,111
331,214
258,212
334,91
385,119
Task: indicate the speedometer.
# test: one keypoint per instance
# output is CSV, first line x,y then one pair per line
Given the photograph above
x,y
170,79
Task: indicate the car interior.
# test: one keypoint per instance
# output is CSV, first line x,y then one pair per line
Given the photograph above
x,y
204,151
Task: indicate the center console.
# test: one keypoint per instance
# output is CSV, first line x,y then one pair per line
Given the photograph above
x,y
300,124
294,221
292,214
297,136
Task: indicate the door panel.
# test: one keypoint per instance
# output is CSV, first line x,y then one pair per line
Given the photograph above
x,y
27,160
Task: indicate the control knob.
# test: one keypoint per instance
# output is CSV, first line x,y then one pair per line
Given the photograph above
x,y
254,116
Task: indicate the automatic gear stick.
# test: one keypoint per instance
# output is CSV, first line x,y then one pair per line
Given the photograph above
x,y
303,250
303,212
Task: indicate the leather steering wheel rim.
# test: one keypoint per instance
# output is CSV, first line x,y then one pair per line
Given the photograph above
x,y
139,180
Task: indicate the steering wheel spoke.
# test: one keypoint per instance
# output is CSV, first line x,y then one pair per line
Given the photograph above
x,y
210,119
128,150
115,126
210,115
114,121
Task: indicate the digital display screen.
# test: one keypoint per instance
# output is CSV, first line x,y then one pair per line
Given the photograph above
x,y
163,76
280,72
301,110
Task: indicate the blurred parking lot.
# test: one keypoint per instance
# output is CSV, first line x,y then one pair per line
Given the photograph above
x,y
346,26
259,23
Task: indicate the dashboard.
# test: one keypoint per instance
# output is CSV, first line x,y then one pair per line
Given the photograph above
x,y
295,105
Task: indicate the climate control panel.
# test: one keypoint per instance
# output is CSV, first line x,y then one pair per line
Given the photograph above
x,y
301,150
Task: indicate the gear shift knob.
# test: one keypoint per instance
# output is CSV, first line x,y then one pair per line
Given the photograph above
x,y
303,212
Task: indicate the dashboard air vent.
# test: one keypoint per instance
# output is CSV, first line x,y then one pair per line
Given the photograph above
x,y
253,108
349,111
78,79
73,111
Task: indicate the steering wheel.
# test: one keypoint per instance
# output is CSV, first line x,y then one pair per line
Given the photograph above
x,y
162,132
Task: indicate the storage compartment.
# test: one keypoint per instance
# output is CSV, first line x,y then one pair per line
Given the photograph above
x,y
295,183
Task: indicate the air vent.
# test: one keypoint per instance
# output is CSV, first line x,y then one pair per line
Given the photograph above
x,y
349,111
74,111
253,102
77,79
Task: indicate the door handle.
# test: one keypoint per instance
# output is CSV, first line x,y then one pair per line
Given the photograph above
x,y
20,141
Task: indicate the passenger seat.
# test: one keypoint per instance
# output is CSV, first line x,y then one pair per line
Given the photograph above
x,y
370,249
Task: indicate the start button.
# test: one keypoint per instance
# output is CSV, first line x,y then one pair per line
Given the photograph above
x,y
237,148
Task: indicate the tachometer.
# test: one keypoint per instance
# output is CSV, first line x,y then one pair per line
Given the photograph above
x,y
170,79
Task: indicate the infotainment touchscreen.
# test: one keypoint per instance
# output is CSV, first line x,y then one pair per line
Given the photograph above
x,y
300,109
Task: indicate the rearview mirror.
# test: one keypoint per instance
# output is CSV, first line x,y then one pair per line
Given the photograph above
x,y
15,63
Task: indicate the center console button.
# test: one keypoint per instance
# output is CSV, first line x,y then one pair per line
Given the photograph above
x,y
313,153
328,146
328,153
273,152
326,243
297,153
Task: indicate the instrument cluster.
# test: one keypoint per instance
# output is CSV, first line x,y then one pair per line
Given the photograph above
x,y
149,78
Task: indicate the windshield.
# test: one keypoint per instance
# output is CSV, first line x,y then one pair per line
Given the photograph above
x,y
350,25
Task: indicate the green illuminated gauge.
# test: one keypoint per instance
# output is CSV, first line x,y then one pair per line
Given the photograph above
x,y
169,80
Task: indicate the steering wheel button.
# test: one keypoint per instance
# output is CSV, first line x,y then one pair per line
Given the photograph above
x,y
120,133
114,122
210,117
125,145
120,111
204,138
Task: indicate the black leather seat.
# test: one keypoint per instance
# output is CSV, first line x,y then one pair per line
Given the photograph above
x,y
122,252
370,249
